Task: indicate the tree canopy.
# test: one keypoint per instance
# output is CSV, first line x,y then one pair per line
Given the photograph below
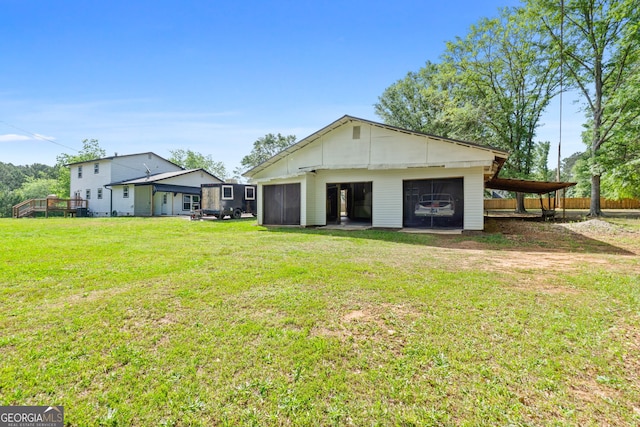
x,y
600,48
18,183
90,150
189,159
493,84
266,147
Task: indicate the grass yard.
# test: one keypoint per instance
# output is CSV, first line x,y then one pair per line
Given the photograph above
x,y
164,321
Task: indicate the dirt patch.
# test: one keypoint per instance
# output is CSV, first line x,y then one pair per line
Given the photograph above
x,y
542,248
543,261
384,321
541,285
357,314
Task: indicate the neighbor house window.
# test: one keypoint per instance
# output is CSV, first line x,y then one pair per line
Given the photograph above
x,y
249,193
190,202
99,193
88,194
79,171
227,192
96,168
125,192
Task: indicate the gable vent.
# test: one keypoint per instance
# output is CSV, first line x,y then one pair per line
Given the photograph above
x,y
356,132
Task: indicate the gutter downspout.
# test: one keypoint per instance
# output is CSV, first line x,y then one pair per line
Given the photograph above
x,y
108,187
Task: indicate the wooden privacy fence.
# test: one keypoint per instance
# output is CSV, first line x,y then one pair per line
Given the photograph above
x,y
568,203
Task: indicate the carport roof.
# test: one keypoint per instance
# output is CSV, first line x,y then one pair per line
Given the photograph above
x,y
160,177
526,186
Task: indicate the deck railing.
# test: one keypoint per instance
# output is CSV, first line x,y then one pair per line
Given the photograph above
x,y
49,205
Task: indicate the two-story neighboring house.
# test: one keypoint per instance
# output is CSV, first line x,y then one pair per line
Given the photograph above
x,y
143,184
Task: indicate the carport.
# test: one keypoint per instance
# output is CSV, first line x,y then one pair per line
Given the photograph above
x,y
532,187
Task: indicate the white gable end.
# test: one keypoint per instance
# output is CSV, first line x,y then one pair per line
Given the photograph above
x,y
375,147
362,171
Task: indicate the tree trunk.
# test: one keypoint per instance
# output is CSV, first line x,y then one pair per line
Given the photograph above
x,y
520,203
594,207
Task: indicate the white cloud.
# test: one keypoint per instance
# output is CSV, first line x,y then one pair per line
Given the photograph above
x,y
12,137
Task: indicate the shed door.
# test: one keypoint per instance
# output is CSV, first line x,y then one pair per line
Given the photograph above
x,y
281,204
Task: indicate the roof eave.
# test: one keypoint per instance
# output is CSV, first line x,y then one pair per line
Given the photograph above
x,y
346,119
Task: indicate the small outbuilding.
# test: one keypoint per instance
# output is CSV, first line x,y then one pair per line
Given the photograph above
x,y
357,170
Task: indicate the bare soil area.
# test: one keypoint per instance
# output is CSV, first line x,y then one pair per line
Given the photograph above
x,y
542,250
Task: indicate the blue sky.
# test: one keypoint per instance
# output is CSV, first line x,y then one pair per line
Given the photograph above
x,y
212,76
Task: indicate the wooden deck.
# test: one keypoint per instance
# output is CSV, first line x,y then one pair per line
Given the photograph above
x,y
69,207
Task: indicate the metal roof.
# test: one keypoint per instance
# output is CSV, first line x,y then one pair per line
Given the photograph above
x,y
525,186
118,156
160,177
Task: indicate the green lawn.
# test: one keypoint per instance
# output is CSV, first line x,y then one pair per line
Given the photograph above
x,y
164,321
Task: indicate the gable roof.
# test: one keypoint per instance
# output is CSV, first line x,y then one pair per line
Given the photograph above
x,y
348,119
117,156
161,177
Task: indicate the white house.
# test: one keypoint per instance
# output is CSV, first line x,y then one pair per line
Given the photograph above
x,y
387,177
143,184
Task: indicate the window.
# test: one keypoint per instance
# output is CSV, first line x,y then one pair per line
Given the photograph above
x,y
249,193
79,171
99,193
96,168
164,199
125,192
190,202
88,194
227,192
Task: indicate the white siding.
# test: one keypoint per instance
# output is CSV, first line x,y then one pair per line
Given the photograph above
x,y
135,166
92,181
123,207
193,179
310,191
388,193
474,200
386,157
115,169
387,200
377,148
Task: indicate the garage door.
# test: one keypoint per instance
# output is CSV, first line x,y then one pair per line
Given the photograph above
x,y
434,203
281,204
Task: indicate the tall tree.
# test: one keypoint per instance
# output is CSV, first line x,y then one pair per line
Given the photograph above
x,y
90,150
620,155
432,101
266,147
600,46
192,160
508,69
